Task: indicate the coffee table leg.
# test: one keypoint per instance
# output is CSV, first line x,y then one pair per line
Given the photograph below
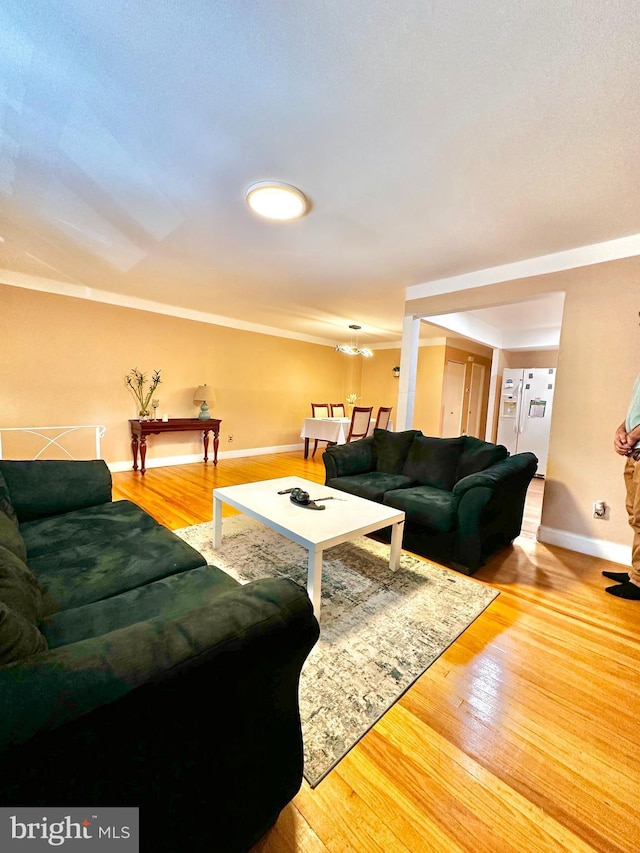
x,y
314,580
217,522
396,545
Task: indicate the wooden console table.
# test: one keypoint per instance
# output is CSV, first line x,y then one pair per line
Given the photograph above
x,y
141,429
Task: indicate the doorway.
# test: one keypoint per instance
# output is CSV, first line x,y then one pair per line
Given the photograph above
x,y
452,399
476,396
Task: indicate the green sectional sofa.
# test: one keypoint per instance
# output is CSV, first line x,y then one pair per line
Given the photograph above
x,y
463,497
131,673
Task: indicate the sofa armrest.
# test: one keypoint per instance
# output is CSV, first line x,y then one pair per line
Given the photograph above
x,y
490,507
492,477
58,687
43,487
343,460
182,718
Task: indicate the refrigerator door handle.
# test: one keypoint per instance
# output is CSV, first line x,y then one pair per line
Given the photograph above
x,y
520,407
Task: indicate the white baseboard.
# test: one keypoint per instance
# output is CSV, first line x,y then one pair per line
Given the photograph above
x,y
259,451
163,461
585,545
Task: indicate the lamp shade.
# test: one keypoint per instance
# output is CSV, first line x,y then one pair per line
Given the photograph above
x,y
204,394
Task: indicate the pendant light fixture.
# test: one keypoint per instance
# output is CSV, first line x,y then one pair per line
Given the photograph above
x,y
353,348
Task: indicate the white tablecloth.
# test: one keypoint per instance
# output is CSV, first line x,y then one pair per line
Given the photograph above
x,y
326,429
331,429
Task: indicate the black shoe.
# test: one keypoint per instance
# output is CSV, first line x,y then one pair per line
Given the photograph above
x,y
618,577
626,590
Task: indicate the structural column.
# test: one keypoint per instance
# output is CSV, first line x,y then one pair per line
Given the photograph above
x,y
408,372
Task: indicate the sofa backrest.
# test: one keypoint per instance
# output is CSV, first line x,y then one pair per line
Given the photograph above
x,y
42,487
392,448
20,594
478,455
434,461
441,462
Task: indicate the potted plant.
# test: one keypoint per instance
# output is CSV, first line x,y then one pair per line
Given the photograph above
x,y
351,399
135,380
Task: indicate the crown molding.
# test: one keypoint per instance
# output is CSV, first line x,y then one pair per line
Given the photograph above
x,y
596,253
79,291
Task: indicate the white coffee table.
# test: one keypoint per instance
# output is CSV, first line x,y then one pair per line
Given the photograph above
x,y
345,518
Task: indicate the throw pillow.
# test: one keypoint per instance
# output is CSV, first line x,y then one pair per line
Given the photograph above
x,y
392,448
19,589
10,537
434,461
19,639
6,506
479,455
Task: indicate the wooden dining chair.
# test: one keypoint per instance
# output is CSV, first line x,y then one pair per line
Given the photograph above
x,y
360,422
337,410
383,417
320,410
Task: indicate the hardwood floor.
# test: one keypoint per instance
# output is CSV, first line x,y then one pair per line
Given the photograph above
x,y
523,737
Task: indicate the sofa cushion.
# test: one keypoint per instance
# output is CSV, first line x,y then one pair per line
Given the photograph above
x,y
6,506
392,449
478,455
170,597
425,506
54,486
100,551
19,638
371,486
11,538
434,461
19,589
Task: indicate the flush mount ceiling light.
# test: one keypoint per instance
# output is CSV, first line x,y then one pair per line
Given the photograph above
x,y
275,200
354,348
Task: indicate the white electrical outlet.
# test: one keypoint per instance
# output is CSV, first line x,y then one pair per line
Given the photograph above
x,y
599,509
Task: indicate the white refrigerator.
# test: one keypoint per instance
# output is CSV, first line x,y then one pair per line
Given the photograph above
x,y
524,421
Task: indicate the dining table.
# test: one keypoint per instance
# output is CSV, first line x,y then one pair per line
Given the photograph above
x,y
334,430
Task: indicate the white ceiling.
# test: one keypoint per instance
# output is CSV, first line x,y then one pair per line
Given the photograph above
x,y
432,138
533,324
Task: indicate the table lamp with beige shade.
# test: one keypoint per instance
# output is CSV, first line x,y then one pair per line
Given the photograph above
x,y
204,395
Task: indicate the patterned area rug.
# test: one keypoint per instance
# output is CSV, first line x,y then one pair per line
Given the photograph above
x,y
379,630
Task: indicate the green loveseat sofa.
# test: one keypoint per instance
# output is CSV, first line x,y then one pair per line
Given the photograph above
x,y
133,674
463,498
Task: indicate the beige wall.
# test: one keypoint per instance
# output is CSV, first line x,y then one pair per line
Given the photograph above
x,y
427,413
598,359
379,385
531,358
63,361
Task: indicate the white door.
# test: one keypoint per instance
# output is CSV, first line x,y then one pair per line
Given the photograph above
x,y
476,389
452,399
535,417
